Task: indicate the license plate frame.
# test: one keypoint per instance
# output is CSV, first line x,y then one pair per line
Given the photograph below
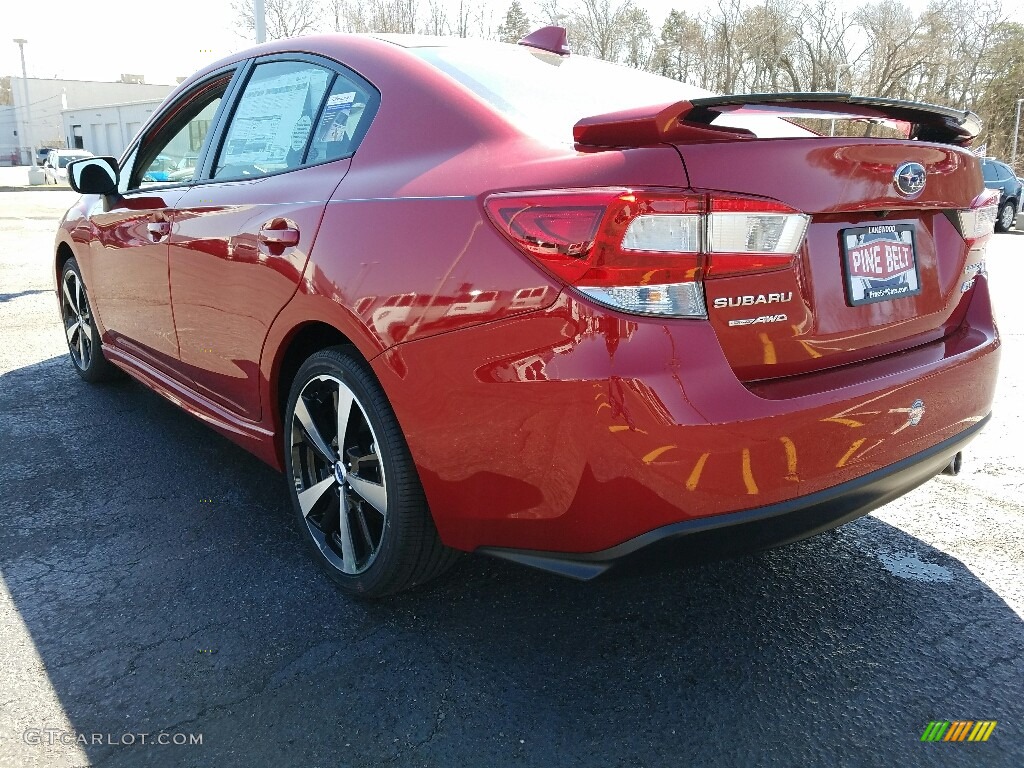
x,y
880,263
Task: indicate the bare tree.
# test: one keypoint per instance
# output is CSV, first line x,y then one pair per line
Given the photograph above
x,y
640,42
598,27
465,11
437,18
284,18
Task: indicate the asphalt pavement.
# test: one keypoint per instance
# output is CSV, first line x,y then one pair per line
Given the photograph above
x,y
152,581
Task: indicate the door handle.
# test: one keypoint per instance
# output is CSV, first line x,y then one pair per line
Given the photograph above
x,y
158,230
287,236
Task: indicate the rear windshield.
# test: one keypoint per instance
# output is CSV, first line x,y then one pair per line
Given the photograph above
x,y
544,94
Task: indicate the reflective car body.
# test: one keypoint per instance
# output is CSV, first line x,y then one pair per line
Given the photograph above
x,y
548,426
1000,176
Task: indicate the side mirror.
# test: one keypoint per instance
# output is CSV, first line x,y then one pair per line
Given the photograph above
x,y
94,175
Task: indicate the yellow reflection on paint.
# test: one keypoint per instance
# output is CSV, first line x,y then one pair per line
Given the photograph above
x,y
694,478
656,453
851,423
790,447
748,476
603,405
769,349
807,347
853,449
623,428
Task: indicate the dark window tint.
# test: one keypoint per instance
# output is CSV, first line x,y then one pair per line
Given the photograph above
x,y
988,171
271,126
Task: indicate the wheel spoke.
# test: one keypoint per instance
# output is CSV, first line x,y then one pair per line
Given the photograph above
x,y
344,409
68,298
348,550
78,295
86,327
73,330
309,497
373,493
81,349
315,438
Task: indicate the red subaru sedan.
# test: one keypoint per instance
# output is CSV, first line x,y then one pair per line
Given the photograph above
x,y
471,296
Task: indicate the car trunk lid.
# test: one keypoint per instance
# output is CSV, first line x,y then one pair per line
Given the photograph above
x,y
884,265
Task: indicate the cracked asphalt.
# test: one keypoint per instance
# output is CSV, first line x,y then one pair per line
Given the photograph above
x,y
152,582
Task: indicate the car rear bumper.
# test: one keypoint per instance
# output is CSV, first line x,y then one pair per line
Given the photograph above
x,y
764,527
574,430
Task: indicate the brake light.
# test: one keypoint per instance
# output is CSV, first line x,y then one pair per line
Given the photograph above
x,y
980,219
648,251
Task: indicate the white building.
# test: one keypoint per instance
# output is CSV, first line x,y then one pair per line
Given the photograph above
x,y
8,134
46,100
107,129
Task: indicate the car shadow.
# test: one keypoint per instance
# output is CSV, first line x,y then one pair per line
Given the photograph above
x,y
19,294
161,578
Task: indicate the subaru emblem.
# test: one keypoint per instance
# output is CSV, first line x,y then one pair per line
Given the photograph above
x,y
909,179
916,413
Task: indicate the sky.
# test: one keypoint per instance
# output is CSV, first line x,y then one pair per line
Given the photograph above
x,y
164,41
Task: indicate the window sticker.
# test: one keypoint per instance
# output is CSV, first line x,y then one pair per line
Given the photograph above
x,y
274,118
334,122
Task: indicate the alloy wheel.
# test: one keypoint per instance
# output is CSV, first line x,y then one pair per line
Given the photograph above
x,y
1007,216
338,474
77,319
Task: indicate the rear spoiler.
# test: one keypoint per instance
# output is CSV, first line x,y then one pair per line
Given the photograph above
x,y
690,121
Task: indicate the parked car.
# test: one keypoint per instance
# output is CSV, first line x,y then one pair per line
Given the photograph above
x,y
56,165
478,297
1000,176
41,154
184,169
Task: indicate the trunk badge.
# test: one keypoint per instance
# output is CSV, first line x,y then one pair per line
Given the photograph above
x,y
916,413
909,179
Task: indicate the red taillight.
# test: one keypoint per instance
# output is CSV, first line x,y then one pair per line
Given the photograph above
x,y
980,219
647,251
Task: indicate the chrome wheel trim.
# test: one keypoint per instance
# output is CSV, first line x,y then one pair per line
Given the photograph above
x,y
339,477
1007,216
77,319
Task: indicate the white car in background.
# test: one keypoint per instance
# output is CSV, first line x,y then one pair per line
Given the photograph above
x,y
56,164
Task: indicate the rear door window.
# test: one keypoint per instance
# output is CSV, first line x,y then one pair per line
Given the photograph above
x,y
271,127
343,121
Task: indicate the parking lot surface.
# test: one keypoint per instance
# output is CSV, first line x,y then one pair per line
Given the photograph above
x,y
152,581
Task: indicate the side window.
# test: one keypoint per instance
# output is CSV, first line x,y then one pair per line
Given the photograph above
x,y
988,171
171,153
271,126
343,122
1004,172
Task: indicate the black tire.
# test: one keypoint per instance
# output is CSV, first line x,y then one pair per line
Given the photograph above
x,y
84,346
1006,217
375,552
